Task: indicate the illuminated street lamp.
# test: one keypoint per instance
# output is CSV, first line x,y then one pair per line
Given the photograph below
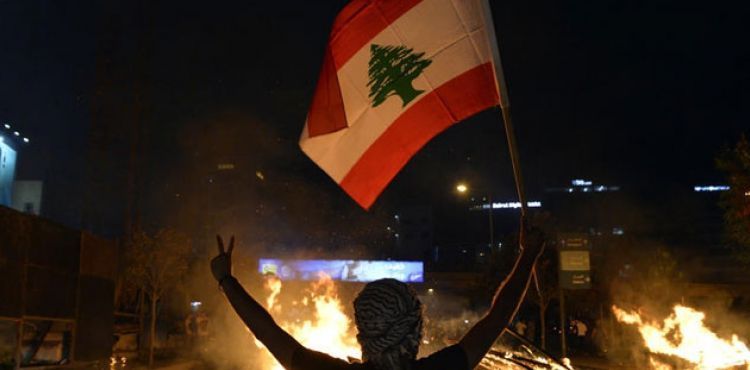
x,y
462,188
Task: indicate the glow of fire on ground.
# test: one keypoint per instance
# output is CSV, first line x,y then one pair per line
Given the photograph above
x,y
684,335
329,330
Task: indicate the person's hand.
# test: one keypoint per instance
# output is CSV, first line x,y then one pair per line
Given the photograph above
x,y
221,265
532,239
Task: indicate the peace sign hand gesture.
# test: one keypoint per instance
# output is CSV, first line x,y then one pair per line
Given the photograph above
x,y
221,265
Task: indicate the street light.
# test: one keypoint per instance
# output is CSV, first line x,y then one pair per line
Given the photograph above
x,y
462,188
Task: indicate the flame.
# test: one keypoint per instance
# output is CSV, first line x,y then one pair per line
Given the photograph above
x,y
273,284
328,329
684,335
658,365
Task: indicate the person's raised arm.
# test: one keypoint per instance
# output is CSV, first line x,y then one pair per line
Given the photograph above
x,y
258,320
507,299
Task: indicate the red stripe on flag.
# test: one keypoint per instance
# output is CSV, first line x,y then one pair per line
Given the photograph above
x,y
457,99
360,21
326,114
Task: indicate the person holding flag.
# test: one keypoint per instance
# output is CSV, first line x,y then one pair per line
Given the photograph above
x,y
395,74
388,316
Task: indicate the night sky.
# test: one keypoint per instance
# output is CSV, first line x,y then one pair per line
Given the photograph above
x,y
635,93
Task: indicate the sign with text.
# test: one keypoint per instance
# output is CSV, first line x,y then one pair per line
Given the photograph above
x,y
575,263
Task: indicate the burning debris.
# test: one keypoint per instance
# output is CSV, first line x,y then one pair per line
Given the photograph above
x,y
682,341
512,351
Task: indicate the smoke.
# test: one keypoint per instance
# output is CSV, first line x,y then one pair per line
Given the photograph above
x,y
207,184
229,344
441,331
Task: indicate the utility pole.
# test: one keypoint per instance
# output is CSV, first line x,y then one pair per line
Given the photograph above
x,y
563,325
574,273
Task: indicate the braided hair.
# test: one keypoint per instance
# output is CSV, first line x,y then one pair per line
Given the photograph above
x,y
388,315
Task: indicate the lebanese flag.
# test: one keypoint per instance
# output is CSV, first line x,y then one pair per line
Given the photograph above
x,y
395,74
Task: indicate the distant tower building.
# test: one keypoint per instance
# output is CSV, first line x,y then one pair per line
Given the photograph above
x,y
116,147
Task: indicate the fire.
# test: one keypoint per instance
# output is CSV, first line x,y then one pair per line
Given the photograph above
x,y
115,362
328,330
684,335
273,284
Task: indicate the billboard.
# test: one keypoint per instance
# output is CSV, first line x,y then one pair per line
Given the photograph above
x,y
7,171
361,271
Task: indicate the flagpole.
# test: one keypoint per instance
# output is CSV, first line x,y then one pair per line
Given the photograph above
x,y
510,134
513,148
502,90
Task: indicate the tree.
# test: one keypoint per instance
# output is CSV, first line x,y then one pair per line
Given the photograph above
x,y
155,264
392,70
735,163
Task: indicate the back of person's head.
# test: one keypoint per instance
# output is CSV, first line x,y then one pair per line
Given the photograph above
x,y
388,315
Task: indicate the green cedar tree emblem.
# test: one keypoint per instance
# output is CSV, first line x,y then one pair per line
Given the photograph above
x,y
392,70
